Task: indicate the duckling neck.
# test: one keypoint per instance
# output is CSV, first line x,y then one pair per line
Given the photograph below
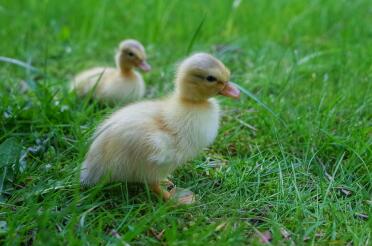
x,y
190,100
191,103
194,103
126,71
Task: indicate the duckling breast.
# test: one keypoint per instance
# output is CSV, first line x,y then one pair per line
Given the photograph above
x,y
194,129
123,89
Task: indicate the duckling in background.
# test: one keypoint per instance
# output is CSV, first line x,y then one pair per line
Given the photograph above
x,y
116,85
146,141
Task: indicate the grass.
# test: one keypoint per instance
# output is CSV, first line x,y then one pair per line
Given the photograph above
x,y
304,169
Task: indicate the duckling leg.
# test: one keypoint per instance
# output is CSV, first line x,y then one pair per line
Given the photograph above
x,y
156,188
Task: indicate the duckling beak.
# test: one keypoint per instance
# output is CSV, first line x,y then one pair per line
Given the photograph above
x,y
230,90
144,66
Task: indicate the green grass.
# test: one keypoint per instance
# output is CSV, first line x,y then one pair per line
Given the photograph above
x,y
306,170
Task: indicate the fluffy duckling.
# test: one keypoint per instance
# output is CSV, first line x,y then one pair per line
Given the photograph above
x,y
146,141
116,85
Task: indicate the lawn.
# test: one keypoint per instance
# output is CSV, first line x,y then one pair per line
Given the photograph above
x,y
293,166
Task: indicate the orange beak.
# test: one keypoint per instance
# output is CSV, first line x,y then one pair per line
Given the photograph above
x,y
144,66
230,90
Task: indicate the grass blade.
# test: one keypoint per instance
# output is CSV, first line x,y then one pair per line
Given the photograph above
x,y
257,100
18,63
195,35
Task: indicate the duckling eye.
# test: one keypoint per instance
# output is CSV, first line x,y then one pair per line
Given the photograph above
x,y
211,78
131,54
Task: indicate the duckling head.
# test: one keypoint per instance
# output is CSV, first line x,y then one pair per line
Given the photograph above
x,y
131,54
202,76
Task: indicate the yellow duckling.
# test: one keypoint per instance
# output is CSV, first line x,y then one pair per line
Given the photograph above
x,y
146,141
116,85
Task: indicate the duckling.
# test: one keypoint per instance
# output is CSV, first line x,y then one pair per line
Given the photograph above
x,y
116,85
144,142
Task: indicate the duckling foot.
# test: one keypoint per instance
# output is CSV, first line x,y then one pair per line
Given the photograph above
x,y
156,188
179,195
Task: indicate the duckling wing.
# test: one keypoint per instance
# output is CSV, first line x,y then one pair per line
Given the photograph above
x,y
90,79
130,146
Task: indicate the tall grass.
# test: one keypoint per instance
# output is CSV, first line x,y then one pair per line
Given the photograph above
x,y
308,174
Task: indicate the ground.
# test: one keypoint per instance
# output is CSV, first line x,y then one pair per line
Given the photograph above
x,y
293,166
